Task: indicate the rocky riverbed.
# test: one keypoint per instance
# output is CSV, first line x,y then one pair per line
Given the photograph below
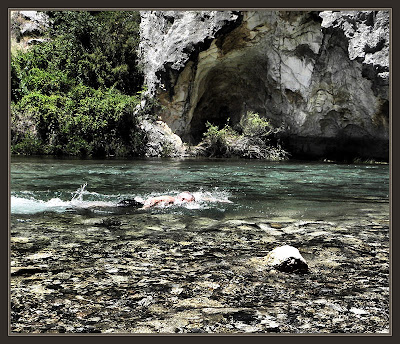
x,y
158,272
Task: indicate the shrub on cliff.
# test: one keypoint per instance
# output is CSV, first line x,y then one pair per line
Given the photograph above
x,y
253,125
254,142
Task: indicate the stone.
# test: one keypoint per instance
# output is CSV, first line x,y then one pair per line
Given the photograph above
x,y
358,311
287,259
30,23
157,290
161,140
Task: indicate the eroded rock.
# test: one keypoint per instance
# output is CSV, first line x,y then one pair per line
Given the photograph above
x,y
161,140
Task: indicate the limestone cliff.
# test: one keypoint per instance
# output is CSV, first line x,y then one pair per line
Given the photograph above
x,y
323,76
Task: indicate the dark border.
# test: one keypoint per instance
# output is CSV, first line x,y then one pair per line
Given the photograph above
x,y
200,4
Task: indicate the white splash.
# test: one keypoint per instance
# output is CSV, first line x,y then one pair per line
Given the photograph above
x,y
30,205
21,205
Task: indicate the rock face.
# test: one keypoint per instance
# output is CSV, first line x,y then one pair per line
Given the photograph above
x,y
322,76
28,24
162,142
287,259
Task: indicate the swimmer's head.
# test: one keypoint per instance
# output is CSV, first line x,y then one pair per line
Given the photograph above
x,y
185,197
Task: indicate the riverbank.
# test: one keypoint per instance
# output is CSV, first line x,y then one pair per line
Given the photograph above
x,y
159,273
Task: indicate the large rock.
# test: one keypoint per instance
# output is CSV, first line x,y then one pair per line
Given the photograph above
x,y
368,36
322,76
161,141
287,259
169,38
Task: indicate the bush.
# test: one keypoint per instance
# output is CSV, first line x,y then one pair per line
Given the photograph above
x,y
253,125
82,122
29,144
99,48
219,141
254,142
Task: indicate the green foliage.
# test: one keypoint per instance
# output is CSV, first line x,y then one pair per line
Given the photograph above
x,y
85,122
254,142
219,136
253,125
219,140
29,144
99,48
78,90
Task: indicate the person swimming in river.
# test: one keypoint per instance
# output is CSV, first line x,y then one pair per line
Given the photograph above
x,y
165,200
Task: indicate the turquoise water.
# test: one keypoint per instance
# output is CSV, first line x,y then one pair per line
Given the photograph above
x,y
298,190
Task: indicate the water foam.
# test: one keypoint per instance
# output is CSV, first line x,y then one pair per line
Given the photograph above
x,y
21,205
27,203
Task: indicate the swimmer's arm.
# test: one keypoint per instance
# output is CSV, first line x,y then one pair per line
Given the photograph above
x,y
166,200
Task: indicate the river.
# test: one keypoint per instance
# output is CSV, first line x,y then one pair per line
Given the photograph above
x,y
80,263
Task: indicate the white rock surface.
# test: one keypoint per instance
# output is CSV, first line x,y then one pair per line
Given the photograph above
x,y
286,258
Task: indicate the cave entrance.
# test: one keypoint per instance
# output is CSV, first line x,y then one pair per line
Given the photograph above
x,y
227,92
218,109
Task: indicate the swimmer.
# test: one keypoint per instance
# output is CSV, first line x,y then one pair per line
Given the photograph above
x,y
159,200
167,200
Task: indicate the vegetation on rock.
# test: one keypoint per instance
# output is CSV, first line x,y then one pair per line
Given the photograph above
x,y
254,141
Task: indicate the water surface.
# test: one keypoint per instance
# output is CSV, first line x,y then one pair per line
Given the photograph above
x,y
257,188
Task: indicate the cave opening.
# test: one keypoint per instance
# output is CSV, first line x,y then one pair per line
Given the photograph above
x,y
228,92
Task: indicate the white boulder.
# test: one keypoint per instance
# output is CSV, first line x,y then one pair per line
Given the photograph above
x,y
287,258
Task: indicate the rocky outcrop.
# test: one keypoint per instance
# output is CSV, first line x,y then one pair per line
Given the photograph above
x,y
27,26
161,141
368,36
178,35
322,76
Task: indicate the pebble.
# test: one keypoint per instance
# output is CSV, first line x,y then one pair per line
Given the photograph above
x,y
358,311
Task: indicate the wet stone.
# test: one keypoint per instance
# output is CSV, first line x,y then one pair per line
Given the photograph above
x,y
287,258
